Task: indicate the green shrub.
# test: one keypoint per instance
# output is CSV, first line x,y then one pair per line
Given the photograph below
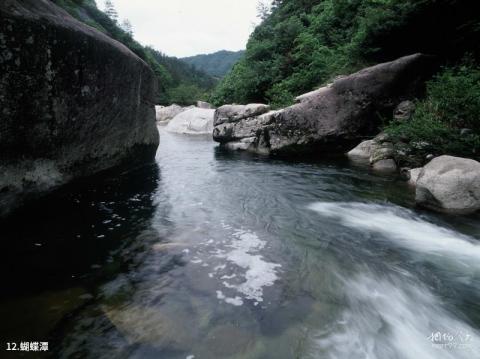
x,y
452,104
454,96
305,43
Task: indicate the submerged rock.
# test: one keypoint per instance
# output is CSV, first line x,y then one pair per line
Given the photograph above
x,y
449,184
74,101
330,119
196,121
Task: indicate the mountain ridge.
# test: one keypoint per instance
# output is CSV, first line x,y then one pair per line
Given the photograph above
x,y
216,64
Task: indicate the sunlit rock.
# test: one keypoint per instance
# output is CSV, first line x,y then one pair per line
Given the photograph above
x,y
413,174
196,121
165,114
449,184
205,105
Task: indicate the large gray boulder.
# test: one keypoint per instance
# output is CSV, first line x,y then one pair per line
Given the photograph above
x,y
73,101
363,150
449,184
235,113
333,118
196,121
205,105
413,175
165,113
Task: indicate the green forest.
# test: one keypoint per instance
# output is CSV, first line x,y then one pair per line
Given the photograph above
x,y
302,45
217,64
178,81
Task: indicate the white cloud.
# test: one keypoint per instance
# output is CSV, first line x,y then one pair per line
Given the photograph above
x,y
189,27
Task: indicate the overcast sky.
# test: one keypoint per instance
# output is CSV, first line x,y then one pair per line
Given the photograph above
x,y
189,27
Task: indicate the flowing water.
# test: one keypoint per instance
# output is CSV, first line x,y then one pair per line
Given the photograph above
x,y
208,254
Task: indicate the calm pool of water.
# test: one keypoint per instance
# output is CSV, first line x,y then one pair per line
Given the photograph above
x,y
208,254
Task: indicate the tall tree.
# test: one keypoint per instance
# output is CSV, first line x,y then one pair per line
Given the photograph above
x,y
263,9
110,10
127,27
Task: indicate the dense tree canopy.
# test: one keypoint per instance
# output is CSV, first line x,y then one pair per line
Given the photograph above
x,y
305,43
217,64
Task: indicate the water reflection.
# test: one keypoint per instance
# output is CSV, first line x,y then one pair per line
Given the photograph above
x,y
232,255
55,252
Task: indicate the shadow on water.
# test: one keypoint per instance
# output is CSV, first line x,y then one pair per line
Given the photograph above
x,y
54,253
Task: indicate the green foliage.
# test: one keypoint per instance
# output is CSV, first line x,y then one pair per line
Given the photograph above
x,y
304,44
454,96
184,93
217,64
177,81
452,104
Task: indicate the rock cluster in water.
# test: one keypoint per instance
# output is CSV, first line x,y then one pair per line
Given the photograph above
x,y
74,101
333,118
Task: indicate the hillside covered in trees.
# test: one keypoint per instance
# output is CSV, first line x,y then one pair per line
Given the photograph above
x,y
178,81
217,64
303,44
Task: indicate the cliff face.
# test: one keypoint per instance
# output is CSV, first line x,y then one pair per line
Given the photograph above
x,y
73,102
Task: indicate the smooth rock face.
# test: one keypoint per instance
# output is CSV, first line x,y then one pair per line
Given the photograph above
x,y
165,114
449,184
363,150
385,165
196,121
331,119
73,101
235,113
379,153
206,105
414,174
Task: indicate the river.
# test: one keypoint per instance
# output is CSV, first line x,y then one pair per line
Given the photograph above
x,y
210,254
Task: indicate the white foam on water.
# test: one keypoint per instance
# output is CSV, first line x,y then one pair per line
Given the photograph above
x,y
392,318
237,301
228,276
219,267
243,253
405,228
